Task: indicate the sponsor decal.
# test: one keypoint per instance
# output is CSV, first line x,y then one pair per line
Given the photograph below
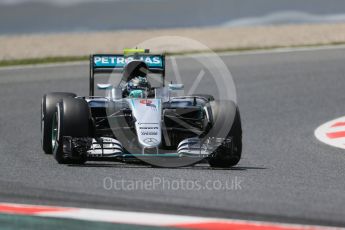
x,y
139,123
145,102
148,128
120,61
149,133
148,103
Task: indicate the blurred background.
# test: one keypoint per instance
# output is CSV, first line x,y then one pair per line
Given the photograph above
x,y
56,16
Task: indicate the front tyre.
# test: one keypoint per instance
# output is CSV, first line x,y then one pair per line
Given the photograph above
x,y
71,118
228,154
48,107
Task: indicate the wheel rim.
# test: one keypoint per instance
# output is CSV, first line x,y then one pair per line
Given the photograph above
x,y
54,132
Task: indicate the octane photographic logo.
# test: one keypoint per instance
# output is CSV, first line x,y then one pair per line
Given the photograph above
x,y
200,73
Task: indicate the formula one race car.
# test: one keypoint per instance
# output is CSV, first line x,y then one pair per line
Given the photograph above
x,y
139,119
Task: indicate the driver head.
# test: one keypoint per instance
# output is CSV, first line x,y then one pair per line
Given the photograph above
x,y
135,68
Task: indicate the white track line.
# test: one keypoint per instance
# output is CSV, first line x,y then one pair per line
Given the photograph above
x,y
332,135
141,218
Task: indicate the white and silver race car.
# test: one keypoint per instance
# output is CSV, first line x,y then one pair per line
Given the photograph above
x,y
139,119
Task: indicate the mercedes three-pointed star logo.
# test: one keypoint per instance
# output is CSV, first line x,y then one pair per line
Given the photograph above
x,y
151,141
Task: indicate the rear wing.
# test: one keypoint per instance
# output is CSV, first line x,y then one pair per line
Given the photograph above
x,y
110,63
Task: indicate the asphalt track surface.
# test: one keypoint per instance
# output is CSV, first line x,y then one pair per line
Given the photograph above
x,y
286,174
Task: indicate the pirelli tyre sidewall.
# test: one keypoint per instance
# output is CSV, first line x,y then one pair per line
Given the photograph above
x,y
72,116
226,114
48,107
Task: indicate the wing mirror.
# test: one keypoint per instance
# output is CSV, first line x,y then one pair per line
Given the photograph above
x,y
176,86
104,86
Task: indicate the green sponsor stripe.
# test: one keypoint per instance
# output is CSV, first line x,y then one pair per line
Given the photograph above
x,y
21,222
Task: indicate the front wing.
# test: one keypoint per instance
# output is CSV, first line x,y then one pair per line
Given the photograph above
x,y
106,148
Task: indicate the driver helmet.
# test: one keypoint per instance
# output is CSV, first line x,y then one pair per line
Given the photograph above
x,y
138,87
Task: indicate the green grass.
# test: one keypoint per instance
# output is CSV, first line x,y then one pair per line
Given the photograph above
x,y
49,60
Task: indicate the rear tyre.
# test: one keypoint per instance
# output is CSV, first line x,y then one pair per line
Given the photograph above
x,y
48,107
227,154
71,118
